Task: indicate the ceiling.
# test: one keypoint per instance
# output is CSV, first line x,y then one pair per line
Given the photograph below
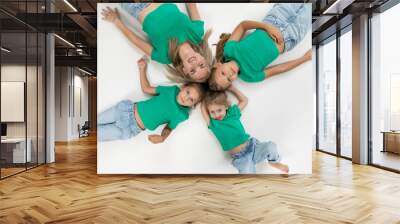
x,y
77,23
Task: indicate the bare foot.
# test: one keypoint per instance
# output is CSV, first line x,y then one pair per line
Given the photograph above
x,y
280,166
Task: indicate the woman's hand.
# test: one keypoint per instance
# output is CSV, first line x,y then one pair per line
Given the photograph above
x,y
156,139
110,15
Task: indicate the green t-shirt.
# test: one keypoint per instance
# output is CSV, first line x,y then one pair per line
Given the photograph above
x,y
167,22
162,108
229,131
252,53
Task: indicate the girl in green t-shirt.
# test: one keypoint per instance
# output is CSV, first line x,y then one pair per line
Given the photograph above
x,y
223,120
248,56
174,38
169,105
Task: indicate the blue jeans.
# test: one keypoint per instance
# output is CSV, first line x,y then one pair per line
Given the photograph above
x,y
117,122
134,9
255,152
292,19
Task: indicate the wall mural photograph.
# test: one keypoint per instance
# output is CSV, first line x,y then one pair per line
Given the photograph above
x,y
199,89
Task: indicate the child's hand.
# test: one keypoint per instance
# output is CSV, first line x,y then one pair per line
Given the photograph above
x,y
231,88
275,34
110,15
156,139
142,62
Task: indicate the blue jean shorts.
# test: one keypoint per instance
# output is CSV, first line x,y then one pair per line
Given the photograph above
x,y
255,152
134,9
292,19
117,122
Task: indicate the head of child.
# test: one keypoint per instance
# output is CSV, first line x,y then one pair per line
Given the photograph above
x,y
190,62
222,73
217,104
190,94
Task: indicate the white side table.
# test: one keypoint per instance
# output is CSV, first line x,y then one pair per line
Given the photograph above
x,y
19,149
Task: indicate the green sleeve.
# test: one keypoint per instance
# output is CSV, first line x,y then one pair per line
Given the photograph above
x,y
235,110
259,76
158,56
252,77
174,123
161,89
228,48
211,124
165,89
198,28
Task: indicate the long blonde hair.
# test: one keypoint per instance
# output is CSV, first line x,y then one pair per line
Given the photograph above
x,y
175,72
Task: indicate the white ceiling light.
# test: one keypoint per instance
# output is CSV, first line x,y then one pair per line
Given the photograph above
x,y
64,40
84,71
70,5
5,50
338,6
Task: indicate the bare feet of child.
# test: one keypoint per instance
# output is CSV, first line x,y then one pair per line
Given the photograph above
x,y
280,166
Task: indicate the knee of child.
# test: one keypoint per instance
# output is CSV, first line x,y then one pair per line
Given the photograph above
x,y
125,134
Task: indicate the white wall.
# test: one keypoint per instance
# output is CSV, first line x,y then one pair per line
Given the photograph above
x,y
69,79
280,109
12,73
61,103
33,127
80,84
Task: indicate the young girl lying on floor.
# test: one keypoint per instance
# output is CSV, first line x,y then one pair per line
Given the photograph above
x,y
173,37
248,57
224,121
169,105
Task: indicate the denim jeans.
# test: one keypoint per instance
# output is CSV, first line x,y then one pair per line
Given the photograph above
x,y
134,9
117,122
292,19
255,152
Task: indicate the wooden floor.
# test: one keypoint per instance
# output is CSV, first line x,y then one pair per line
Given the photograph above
x,y
70,191
387,159
10,171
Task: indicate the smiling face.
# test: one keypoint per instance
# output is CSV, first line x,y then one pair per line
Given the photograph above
x,y
194,65
224,74
217,111
188,96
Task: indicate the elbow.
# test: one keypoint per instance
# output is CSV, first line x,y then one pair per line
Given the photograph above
x,y
147,90
245,99
242,25
244,22
245,103
144,89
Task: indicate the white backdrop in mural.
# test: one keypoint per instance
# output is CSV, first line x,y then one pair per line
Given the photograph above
x,y
279,109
